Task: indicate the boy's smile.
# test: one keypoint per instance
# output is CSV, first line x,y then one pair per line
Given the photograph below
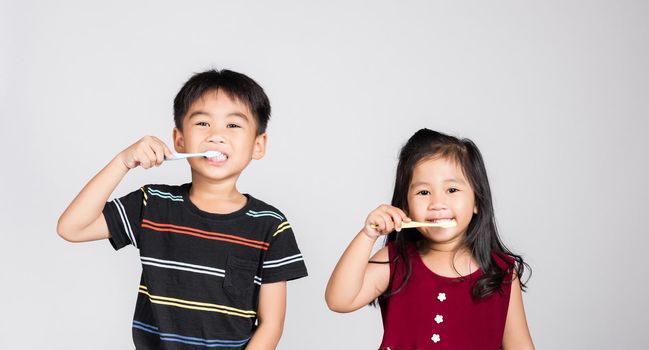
x,y
439,192
217,122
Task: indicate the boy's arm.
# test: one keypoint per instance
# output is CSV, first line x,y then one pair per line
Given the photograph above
x,y
83,220
270,313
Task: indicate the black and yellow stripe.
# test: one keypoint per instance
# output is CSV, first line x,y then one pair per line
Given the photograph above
x,y
195,305
283,226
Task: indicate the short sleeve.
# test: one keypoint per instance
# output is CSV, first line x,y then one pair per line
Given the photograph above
x,y
283,261
123,217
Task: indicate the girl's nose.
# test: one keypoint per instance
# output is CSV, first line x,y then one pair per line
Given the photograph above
x,y
436,205
436,202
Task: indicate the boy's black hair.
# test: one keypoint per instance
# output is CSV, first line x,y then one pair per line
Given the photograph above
x,y
237,85
481,238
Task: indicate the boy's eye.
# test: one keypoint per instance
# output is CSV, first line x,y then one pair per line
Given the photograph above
x,y
203,124
423,192
233,126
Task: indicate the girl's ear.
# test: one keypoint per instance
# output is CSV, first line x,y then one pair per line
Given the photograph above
x,y
179,141
475,209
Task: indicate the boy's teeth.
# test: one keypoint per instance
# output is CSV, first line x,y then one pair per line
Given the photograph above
x,y
219,156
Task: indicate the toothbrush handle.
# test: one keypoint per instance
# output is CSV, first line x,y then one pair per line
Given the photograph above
x,y
413,224
178,156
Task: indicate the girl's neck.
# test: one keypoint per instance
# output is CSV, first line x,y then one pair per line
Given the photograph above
x,y
447,261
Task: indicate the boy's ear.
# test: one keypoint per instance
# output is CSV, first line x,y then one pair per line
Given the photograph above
x,y
179,141
259,149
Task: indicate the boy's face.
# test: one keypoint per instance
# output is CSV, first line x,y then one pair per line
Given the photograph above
x,y
216,122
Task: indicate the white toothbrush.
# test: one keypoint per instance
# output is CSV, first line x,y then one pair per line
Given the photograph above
x,y
208,154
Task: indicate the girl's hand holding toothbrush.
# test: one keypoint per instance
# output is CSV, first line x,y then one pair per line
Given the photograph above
x,y
384,220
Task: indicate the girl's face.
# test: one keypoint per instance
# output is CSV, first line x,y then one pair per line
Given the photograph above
x,y
440,191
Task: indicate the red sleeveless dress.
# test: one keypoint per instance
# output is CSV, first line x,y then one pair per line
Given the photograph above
x,y
436,312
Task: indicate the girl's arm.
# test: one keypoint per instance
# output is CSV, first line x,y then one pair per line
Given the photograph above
x,y
271,313
517,334
83,220
354,282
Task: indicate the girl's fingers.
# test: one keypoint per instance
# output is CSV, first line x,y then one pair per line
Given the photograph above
x,y
386,219
402,215
377,223
396,218
389,224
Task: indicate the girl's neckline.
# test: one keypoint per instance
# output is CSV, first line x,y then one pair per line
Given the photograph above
x,y
418,259
215,216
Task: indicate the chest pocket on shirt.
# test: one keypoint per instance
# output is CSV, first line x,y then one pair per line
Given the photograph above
x,y
239,277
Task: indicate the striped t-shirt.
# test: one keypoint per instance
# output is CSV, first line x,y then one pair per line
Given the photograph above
x,y
201,272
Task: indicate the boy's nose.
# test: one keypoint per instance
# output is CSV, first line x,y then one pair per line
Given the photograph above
x,y
216,139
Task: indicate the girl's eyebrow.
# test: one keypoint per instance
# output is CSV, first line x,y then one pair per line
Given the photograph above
x,y
453,180
458,181
419,183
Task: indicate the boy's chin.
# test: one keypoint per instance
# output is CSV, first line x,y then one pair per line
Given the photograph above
x,y
214,173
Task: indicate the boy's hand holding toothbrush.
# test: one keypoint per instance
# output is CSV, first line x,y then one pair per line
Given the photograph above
x,y
150,151
147,152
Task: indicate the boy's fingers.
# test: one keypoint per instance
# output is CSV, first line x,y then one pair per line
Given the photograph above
x,y
167,152
158,150
131,162
149,158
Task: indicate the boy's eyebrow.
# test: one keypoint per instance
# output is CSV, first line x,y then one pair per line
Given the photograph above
x,y
233,114
237,114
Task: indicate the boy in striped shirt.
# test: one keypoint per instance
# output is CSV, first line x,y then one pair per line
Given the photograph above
x,y
214,261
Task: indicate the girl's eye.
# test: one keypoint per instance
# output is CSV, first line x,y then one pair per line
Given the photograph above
x,y
423,192
452,190
233,126
203,124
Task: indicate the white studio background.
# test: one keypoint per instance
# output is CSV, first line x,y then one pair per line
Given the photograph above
x,y
555,94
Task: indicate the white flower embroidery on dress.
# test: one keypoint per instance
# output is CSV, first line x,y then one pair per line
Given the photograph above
x,y
439,318
435,338
441,296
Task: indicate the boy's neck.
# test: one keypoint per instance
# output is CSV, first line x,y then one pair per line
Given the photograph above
x,y
216,197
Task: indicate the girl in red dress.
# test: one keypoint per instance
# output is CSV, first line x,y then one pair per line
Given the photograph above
x,y
451,286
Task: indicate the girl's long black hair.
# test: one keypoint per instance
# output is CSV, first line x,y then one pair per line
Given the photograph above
x,y
481,238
